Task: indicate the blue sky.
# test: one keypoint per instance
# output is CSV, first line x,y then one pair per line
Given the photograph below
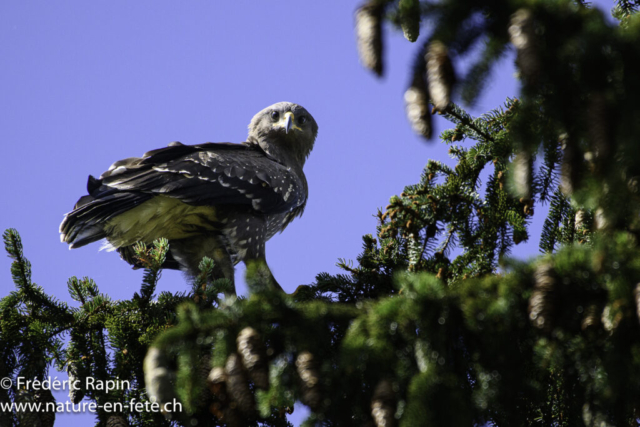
x,y
83,84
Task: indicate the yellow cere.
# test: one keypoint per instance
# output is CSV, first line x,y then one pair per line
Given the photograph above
x,y
283,121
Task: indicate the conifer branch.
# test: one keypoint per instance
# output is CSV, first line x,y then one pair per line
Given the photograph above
x,y
152,259
21,267
457,115
375,343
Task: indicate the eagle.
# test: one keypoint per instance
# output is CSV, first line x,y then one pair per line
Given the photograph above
x,y
219,200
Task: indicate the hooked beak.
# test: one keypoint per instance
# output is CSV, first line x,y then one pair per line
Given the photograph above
x,y
288,121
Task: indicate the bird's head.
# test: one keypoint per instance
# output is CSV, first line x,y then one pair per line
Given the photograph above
x,y
284,130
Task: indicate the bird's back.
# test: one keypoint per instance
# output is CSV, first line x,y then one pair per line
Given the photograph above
x,y
173,192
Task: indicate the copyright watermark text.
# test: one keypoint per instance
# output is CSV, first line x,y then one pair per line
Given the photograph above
x,y
88,384
92,407
54,384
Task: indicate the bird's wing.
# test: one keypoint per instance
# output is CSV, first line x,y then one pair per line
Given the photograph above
x,y
210,174
206,174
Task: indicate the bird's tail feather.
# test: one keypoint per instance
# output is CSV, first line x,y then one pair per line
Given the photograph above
x,y
85,224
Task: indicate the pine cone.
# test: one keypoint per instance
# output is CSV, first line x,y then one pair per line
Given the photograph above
x,y
158,377
611,318
117,420
632,185
76,394
601,220
238,384
254,357
216,380
217,385
383,404
440,75
636,294
225,410
310,378
571,169
579,219
592,416
410,18
519,237
522,175
369,36
543,304
26,417
416,100
522,33
591,318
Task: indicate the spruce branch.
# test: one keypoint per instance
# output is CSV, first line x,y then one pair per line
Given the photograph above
x,y
152,260
21,267
459,116
626,8
82,290
35,300
551,228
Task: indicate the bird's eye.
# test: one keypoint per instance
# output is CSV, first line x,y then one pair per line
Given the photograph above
x,y
275,116
302,120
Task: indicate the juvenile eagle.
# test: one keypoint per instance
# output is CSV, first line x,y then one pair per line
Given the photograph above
x,y
220,200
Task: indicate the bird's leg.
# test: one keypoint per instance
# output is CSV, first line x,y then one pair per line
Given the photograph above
x,y
259,274
189,253
224,267
247,234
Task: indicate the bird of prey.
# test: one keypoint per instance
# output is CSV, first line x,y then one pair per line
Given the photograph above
x,y
219,200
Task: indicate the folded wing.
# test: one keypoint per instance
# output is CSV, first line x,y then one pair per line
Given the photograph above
x,y
209,174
